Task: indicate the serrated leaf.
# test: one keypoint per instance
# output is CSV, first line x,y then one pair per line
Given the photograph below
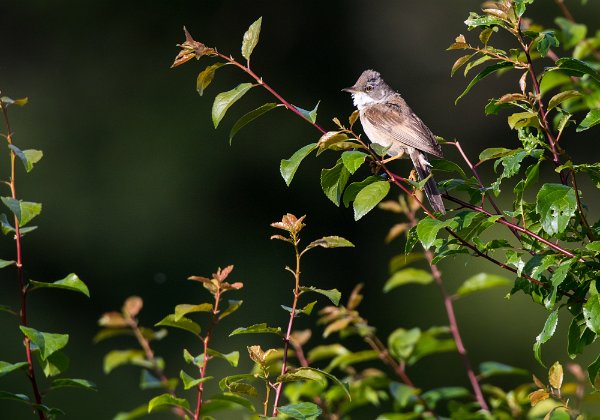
x,y
225,99
353,160
288,167
407,276
561,97
545,335
249,117
333,295
330,242
578,68
206,76
71,282
333,181
181,323
486,72
73,383
591,119
251,38
490,369
369,197
556,204
47,343
482,281
167,400
256,329
6,368
184,309
301,411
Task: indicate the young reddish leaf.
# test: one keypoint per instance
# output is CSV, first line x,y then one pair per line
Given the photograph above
x,y
133,305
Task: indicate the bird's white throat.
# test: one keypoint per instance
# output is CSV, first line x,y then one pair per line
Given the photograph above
x,y
361,100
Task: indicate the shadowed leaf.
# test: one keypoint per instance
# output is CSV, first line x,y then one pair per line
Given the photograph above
x,y
249,117
288,167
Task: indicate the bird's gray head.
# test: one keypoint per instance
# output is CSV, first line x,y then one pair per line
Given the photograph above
x,y
370,88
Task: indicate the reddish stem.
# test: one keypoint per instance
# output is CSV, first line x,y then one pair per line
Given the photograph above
x,y
20,274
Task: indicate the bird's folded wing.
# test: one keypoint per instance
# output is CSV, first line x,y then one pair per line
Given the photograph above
x,y
407,129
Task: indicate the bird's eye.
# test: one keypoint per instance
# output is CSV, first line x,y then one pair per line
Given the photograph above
x,y
369,88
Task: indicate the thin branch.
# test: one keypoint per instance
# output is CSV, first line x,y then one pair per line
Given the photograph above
x,y
588,230
565,10
20,272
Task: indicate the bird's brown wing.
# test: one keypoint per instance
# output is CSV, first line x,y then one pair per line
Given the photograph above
x,y
403,126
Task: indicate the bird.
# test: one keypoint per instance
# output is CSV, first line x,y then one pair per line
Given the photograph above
x,y
388,121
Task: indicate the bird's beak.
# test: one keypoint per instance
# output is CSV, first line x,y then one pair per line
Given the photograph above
x,y
350,89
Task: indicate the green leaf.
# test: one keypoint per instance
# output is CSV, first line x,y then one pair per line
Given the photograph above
x,y
461,61
353,159
301,411
234,305
232,358
136,413
73,383
184,309
10,101
577,68
355,187
47,343
430,343
411,239
556,204
593,371
225,99
23,210
333,295
494,153
55,364
433,396
369,197
402,260
349,359
330,242
560,97
571,33
545,335
231,398
167,400
407,276
5,395
334,180
545,41
482,281
489,369
486,72
118,358
190,382
591,313
427,230
288,167
249,117
474,20
27,157
182,323
591,119
523,119
206,76
6,263
71,282
309,115
402,342
256,329
446,166
251,38
521,6
6,368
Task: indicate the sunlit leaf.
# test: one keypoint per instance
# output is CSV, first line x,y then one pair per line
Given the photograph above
x,y
23,210
301,411
184,309
407,276
333,295
489,369
47,343
288,167
182,323
545,335
446,166
27,157
225,99
309,115
256,329
117,358
402,342
330,242
556,375
251,38
577,68
561,97
190,382
6,263
545,41
136,413
353,160
482,281
249,117
369,197
71,282
486,72
355,187
206,76
73,383
427,230
334,180
556,204
6,368
234,305
591,119
167,400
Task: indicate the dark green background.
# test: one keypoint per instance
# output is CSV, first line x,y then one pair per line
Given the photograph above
x,y
139,191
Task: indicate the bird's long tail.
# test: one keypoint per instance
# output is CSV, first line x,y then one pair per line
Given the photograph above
x,y
422,166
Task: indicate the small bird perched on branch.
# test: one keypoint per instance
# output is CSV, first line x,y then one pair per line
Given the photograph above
x,y
389,122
